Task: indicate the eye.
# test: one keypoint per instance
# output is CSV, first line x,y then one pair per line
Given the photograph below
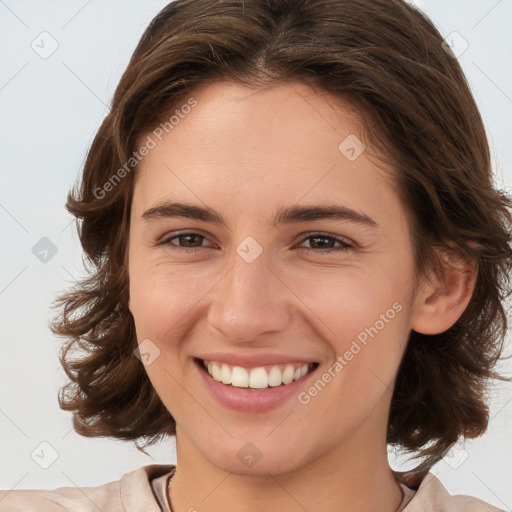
x,y
326,243
190,240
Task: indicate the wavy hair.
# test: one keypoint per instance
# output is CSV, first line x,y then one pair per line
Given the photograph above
x,y
388,60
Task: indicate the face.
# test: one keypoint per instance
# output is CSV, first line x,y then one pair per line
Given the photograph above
x,y
262,282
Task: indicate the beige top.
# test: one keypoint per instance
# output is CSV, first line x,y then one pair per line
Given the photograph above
x,y
145,490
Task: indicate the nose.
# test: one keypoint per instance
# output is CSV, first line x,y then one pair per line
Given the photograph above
x,y
250,301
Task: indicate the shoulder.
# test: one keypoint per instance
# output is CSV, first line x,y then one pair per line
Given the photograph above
x,y
128,494
432,496
76,499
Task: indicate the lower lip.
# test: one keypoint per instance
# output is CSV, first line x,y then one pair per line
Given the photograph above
x,y
245,400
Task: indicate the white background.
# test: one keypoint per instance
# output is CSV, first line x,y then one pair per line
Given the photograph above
x,y
50,110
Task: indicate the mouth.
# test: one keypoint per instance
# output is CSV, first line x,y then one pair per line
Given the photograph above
x,y
257,378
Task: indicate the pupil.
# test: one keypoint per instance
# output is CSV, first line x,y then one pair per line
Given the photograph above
x,y
188,238
321,238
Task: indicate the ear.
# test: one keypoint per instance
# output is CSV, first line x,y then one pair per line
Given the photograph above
x,y
441,301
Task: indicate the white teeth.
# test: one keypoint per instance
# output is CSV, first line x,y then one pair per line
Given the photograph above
x,y
274,376
255,378
287,375
214,371
225,374
258,378
239,377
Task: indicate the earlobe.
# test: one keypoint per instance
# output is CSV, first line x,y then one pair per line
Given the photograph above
x,y
441,302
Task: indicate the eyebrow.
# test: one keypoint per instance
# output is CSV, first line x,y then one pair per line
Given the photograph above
x,y
284,215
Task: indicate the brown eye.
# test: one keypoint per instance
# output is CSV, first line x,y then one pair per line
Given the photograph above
x,y
325,243
189,241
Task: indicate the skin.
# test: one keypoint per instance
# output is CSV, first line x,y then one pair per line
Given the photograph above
x,y
246,152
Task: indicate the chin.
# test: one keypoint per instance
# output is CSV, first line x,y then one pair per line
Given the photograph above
x,y
249,460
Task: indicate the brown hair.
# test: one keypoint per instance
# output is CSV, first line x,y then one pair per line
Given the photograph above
x,y
387,58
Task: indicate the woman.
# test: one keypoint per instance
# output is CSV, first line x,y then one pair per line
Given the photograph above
x,y
298,258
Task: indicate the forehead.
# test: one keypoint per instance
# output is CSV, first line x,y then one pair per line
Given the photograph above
x,y
251,148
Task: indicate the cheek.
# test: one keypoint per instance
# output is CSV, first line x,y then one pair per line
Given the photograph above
x,y
363,319
160,300
367,337
352,303
161,296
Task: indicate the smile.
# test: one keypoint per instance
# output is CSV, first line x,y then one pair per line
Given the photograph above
x,y
261,377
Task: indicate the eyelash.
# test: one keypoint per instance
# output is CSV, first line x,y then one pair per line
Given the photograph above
x,y
345,246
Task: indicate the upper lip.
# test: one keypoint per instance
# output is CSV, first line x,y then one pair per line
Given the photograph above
x,y
255,360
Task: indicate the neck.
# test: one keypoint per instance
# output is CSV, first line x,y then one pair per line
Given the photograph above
x,y
355,476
